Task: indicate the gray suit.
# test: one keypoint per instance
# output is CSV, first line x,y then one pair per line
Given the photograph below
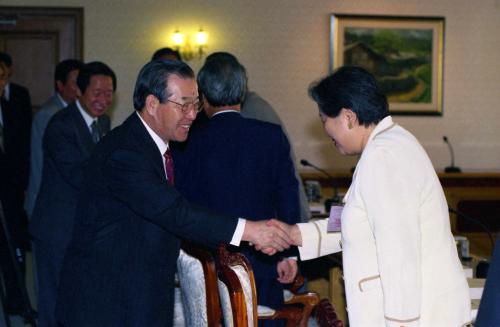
x,y
257,108
67,146
40,121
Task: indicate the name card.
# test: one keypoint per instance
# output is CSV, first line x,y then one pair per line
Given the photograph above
x,y
334,219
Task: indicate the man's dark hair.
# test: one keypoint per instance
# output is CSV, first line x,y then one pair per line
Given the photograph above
x,y
166,52
6,59
153,79
64,68
222,80
92,69
354,88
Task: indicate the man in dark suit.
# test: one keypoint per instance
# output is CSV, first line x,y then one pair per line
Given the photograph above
x,y
15,124
119,268
68,141
489,308
241,167
65,93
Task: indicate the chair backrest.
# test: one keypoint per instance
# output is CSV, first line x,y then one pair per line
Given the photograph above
x,y
326,315
198,282
237,289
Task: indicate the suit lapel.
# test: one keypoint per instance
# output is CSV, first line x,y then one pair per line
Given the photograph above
x,y
81,129
145,144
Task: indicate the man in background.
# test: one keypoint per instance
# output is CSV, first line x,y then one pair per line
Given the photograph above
x,y
166,54
119,268
15,124
257,108
65,93
69,139
240,167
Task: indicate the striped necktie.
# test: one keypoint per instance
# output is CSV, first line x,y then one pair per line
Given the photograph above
x,y
169,167
96,136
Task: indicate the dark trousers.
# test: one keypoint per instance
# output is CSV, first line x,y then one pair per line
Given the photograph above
x,y
15,219
48,261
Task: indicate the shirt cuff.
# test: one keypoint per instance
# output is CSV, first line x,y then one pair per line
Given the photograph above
x,y
238,233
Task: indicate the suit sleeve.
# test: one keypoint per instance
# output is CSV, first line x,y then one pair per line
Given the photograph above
x,y
61,146
316,241
25,134
391,197
134,181
288,202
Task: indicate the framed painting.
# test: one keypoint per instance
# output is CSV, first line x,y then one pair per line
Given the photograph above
x,y
405,54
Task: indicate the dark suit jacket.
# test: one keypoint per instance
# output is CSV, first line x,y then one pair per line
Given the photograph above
x,y
119,268
67,145
14,159
242,167
489,308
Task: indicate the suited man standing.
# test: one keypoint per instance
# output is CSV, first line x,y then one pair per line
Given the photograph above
x,y
68,141
241,167
65,93
119,268
489,313
15,123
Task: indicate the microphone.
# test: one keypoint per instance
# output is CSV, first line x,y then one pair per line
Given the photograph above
x,y
451,168
482,266
475,221
328,202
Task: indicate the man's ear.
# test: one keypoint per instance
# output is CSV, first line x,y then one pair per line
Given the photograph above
x,y
151,104
59,86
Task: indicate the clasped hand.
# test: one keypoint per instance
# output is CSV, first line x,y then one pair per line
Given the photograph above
x,y
266,237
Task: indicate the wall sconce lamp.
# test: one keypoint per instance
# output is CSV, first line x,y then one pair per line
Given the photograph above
x,y
183,44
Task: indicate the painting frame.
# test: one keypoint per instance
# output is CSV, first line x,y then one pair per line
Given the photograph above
x,y
405,53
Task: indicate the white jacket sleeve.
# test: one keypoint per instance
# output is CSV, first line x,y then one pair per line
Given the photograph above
x,y
316,241
391,192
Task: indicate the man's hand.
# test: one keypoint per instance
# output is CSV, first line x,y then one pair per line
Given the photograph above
x,y
292,231
287,270
266,237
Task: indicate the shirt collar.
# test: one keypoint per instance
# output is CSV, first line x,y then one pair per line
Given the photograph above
x,y
88,118
162,146
382,126
224,111
65,104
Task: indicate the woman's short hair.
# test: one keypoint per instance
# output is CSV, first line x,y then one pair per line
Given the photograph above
x,y
354,88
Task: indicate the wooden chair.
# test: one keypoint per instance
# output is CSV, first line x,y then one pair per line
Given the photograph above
x,y
326,315
198,282
238,294
308,300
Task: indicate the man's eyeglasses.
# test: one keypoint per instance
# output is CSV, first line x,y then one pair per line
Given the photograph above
x,y
186,107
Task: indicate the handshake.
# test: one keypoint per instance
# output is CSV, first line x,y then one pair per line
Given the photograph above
x,y
271,236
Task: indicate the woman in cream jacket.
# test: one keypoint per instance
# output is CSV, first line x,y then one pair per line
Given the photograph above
x,y
401,266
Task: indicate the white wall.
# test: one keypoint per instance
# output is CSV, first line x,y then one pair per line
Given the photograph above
x,y
284,45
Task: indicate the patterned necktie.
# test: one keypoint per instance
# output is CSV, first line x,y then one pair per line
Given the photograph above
x,y
95,131
169,167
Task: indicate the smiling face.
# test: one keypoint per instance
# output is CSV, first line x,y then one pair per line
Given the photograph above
x,y
98,95
347,135
167,119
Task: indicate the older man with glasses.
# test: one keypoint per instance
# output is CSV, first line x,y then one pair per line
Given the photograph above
x,y
119,268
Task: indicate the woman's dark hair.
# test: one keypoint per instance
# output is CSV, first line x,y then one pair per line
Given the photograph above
x,y
153,79
354,88
222,80
92,69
